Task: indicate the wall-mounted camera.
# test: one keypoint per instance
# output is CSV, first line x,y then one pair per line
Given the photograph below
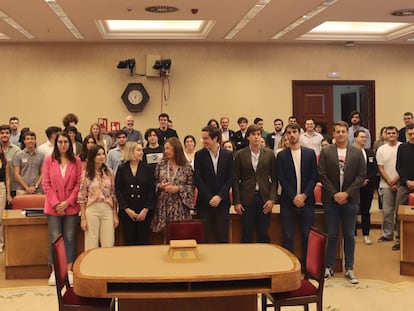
x,y
163,65
129,63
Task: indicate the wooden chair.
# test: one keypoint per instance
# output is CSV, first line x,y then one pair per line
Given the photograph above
x,y
28,201
69,300
411,198
317,191
183,230
315,269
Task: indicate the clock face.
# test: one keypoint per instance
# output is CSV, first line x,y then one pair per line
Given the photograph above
x,y
135,97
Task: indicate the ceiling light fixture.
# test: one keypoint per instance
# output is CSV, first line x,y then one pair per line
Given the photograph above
x,y
161,9
7,19
57,9
260,5
403,13
315,11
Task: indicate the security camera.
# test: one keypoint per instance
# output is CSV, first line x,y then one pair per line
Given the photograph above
x,y
129,63
163,65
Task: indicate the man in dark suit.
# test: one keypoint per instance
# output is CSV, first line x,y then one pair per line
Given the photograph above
x,y
255,187
297,172
240,137
213,176
367,189
342,172
274,138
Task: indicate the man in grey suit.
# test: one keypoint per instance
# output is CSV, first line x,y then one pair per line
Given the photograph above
x,y
255,187
342,171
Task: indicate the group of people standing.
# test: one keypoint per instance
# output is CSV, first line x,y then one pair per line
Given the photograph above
x,y
144,187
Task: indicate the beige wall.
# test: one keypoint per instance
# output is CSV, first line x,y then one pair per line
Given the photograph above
x,y
42,82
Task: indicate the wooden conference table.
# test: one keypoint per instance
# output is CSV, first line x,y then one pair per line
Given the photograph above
x,y
228,276
406,217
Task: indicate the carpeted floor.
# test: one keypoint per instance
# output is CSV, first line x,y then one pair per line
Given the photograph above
x,y
339,295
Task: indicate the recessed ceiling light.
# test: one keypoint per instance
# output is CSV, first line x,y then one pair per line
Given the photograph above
x,y
356,27
7,19
154,25
154,29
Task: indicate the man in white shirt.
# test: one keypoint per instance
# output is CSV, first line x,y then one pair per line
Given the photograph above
x,y
47,147
387,159
311,139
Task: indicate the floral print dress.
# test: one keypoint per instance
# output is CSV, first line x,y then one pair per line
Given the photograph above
x,y
176,206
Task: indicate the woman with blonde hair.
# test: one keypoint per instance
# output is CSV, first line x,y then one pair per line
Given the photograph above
x,y
174,184
134,185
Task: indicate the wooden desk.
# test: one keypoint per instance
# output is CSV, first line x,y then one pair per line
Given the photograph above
x,y
24,233
27,245
24,249
406,217
142,278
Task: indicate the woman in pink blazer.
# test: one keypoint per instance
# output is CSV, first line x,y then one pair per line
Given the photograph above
x,y
61,181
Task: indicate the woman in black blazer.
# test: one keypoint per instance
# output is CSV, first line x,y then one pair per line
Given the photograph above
x,y
134,186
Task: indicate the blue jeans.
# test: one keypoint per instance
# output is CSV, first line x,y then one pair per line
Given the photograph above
x,y
252,217
346,215
67,226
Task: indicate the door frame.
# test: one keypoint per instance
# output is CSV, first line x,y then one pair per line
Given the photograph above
x,y
368,121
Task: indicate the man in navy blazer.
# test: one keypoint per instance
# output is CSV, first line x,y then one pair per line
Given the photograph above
x,y
297,173
213,176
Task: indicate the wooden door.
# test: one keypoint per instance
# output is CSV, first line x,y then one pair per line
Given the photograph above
x,y
313,101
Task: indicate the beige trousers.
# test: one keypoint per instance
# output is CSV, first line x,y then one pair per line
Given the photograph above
x,y
100,220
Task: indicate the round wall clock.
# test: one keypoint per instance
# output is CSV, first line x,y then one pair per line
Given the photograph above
x,y
135,97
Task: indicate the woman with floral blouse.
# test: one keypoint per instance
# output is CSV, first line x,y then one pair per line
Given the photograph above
x,y
175,188
97,201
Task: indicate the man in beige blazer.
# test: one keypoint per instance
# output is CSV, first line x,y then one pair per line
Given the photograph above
x,y
255,187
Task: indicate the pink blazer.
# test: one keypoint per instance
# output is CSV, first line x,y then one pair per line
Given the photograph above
x,y
58,189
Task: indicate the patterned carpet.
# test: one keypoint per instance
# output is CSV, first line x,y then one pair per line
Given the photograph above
x,y
339,295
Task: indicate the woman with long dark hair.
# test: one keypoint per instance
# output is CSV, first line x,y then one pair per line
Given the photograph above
x,y
87,144
99,217
61,180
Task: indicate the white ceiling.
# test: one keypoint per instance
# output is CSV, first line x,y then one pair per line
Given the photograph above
x,y
40,20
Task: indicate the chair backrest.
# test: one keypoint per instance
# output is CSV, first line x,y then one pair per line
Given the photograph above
x,y
182,230
60,265
28,201
317,191
411,198
316,254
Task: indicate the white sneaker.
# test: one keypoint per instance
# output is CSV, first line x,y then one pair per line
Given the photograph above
x,y
51,281
351,277
367,240
70,277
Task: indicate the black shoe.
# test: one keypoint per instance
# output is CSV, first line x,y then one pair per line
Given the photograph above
x,y
384,239
396,246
